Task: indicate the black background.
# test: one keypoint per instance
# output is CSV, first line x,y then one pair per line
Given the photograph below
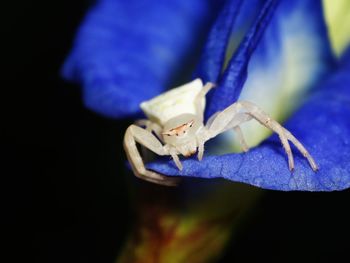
x,y
64,191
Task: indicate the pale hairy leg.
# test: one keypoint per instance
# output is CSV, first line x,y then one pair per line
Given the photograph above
x,y
203,137
230,118
211,119
200,149
241,139
151,127
198,100
302,149
283,133
136,134
232,124
232,115
176,159
269,123
157,129
226,117
235,125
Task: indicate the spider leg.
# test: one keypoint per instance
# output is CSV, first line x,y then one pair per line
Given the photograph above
x,y
157,129
234,124
283,133
221,121
211,119
302,149
176,158
151,127
198,100
136,134
264,119
200,154
233,116
241,139
243,111
202,137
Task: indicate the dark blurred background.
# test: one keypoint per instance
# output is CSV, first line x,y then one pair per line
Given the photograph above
x,y
64,185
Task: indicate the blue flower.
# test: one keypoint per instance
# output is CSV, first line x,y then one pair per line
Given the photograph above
x,y
274,52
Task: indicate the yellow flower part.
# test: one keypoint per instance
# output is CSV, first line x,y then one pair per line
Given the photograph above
x,y
173,229
337,15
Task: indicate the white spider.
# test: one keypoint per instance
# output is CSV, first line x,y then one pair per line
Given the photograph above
x,y
175,126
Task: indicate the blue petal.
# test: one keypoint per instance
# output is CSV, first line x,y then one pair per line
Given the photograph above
x,y
213,56
322,125
291,55
231,83
129,51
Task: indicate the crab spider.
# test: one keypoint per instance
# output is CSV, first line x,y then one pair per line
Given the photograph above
x,y
175,127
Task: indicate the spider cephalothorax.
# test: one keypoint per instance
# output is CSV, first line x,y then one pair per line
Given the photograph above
x,y
179,130
182,137
175,126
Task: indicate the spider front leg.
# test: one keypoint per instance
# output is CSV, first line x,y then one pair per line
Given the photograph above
x,y
222,125
136,134
262,117
243,111
199,98
241,139
151,126
157,129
